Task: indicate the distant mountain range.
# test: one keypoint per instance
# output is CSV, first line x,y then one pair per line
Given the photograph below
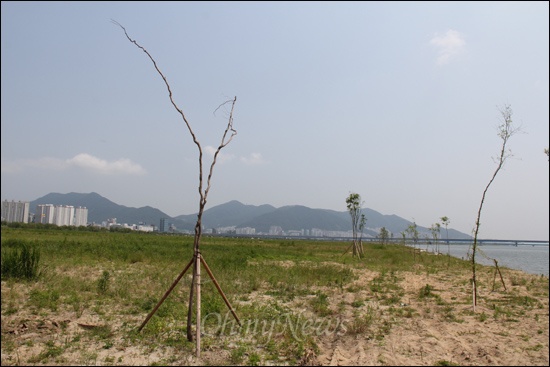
x,y
234,213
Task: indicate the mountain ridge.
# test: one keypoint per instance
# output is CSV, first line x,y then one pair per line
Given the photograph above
x,y
236,214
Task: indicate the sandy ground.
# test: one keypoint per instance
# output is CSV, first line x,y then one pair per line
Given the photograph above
x,y
414,331
429,337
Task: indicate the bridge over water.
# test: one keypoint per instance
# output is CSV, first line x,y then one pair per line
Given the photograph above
x,y
408,241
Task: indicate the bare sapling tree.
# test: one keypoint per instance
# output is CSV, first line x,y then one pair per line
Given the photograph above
x,y
427,241
445,221
404,237
436,229
384,235
362,223
505,131
203,189
358,220
412,231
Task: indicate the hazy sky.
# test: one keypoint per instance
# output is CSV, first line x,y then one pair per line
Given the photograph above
x,y
397,101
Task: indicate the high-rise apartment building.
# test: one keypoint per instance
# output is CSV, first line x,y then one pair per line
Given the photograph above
x,y
164,225
64,215
44,214
15,211
80,216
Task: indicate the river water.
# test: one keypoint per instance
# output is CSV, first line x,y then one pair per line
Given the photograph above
x,y
528,258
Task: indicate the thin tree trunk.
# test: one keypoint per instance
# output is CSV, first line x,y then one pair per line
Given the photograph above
x,y
505,132
198,279
474,294
190,304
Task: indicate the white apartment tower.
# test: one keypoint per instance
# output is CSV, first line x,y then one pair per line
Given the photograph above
x,y
64,215
15,211
80,216
45,214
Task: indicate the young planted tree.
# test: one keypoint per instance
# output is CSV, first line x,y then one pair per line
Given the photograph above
x,y
203,189
362,223
436,229
358,220
384,235
412,231
404,237
445,221
505,130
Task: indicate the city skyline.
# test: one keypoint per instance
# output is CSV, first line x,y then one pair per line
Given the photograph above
x,y
56,214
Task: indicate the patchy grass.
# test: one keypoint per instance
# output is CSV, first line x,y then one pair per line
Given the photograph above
x,y
296,300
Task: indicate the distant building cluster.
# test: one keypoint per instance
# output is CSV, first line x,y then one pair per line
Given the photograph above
x,y
61,215
166,226
318,232
67,215
112,223
313,232
230,230
245,230
278,231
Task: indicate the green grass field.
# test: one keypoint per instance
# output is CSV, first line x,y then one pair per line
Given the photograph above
x,y
114,280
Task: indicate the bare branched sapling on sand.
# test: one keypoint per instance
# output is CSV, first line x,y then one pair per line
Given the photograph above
x,y
197,260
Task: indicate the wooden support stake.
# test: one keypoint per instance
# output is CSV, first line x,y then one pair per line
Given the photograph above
x,y
165,295
220,290
498,269
345,252
494,278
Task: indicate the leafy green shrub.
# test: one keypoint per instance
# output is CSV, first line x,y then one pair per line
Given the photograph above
x,y
103,282
362,322
425,291
320,304
237,354
357,303
19,260
47,298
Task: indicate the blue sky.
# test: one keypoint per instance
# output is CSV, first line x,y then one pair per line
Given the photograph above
x,y
397,101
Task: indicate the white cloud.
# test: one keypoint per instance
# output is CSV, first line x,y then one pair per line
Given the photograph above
x,y
449,45
253,159
222,157
122,166
82,160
